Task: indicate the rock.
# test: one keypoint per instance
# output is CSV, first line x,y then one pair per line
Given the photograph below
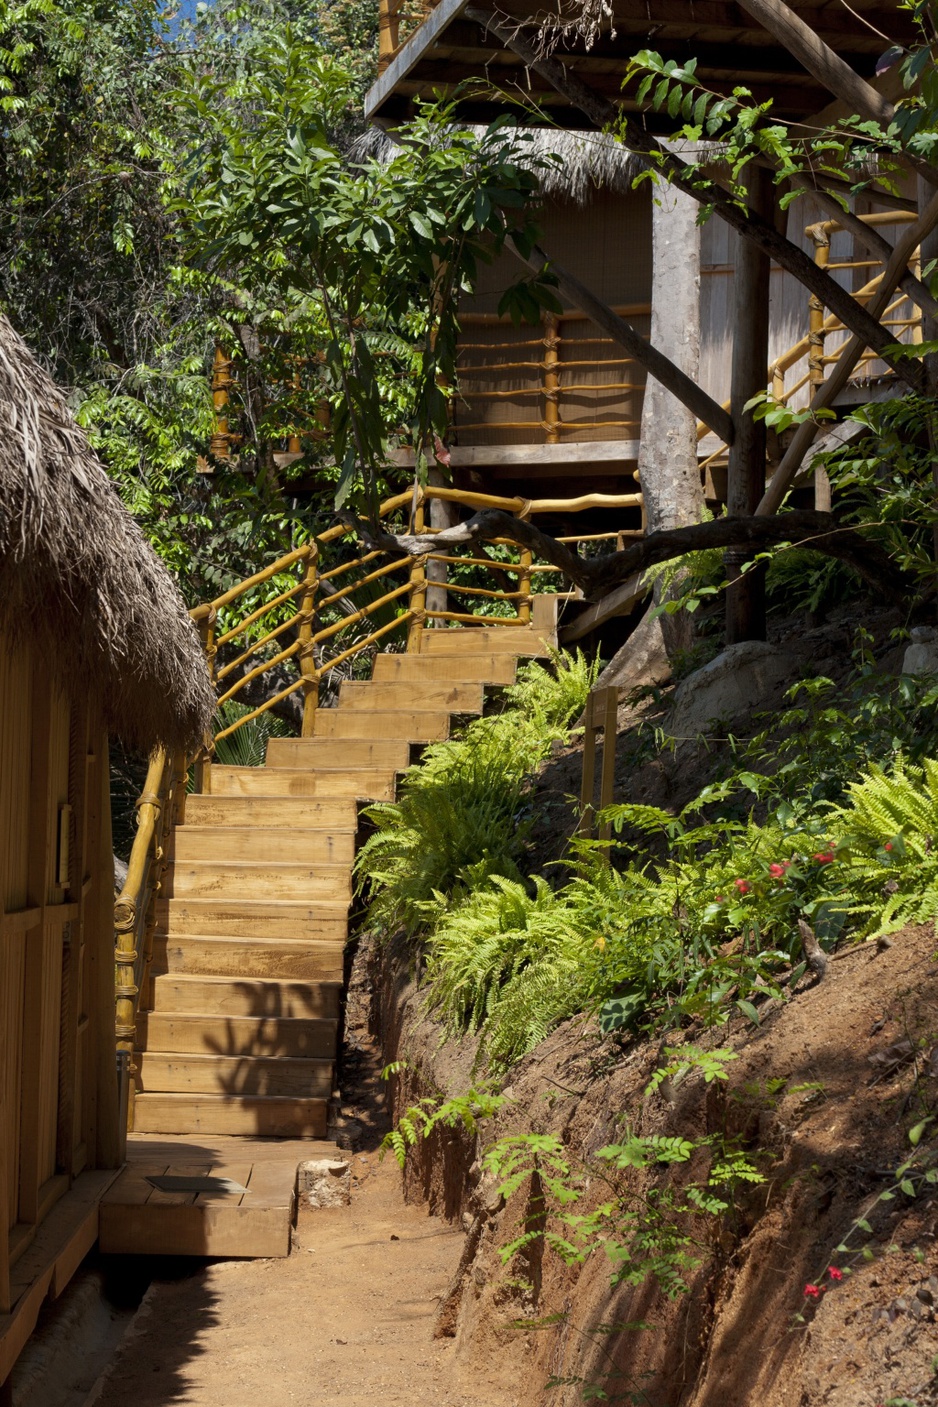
x,y
921,657
733,685
324,1182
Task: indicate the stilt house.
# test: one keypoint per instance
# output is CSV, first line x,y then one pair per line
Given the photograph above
x,y
94,640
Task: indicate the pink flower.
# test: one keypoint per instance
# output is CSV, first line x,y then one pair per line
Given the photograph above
x,y
888,845
742,885
777,871
824,857
812,1290
834,1273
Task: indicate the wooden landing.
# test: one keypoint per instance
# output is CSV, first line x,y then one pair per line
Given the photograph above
x,y
138,1219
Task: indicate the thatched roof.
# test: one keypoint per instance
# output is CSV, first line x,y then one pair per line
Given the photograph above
x,y
77,577
588,161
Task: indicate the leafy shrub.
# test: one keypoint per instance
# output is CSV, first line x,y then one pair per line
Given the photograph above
x,y
460,816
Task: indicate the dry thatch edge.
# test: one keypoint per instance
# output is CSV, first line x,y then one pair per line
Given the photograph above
x,y
588,161
79,581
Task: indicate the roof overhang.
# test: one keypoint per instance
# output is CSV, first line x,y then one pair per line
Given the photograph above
x,y
450,50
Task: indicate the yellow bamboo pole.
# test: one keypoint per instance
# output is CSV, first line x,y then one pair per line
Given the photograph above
x,y
524,586
307,651
550,386
202,779
418,582
220,442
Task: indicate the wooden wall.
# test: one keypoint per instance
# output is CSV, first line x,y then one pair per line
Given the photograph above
x,y
58,1086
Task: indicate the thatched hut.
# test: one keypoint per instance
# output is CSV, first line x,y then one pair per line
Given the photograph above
x,y
94,639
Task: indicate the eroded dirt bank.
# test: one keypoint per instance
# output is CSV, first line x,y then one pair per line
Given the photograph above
x,y
858,1057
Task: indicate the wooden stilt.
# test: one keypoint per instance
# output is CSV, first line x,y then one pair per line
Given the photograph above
x,y
745,597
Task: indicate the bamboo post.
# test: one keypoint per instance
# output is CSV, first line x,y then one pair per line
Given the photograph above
x,y
526,561
203,764
307,653
550,387
585,825
418,590
816,339
388,32
220,442
610,712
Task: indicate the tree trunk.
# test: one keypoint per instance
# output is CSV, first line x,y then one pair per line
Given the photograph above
x,y
442,515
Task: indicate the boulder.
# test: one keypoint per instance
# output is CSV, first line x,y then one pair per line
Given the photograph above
x,y
921,657
732,686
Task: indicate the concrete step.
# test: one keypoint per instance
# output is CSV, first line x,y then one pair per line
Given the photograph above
x,y
412,724
195,844
388,697
159,1073
323,921
226,1114
205,955
297,1037
369,783
509,640
457,668
272,812
338,752
242,879
244,996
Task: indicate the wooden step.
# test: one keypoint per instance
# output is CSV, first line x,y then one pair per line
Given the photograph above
x,y
338,752
414,725
253,918
158,1073
209,843
509,640
272,812
208,956
229,1114
236,1035
369,783
245,996
243,880
384,697
456,668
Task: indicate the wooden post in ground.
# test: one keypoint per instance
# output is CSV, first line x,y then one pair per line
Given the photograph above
x,y
418,590
307,661
745,596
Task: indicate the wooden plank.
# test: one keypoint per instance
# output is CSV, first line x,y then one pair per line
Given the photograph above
x,y
245,996
273,1184
237,1035
159,1198
229,843
586,454
620,602
369,783
160,1073
239,1173
199,1230
459,667
271,1117
491,642
329,752
58,1248
224,957
132,1188
416,725
253,918
271,812
242,879
385,697
147,1150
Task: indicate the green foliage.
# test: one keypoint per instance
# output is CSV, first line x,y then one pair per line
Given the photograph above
x,y
461,813
464,1111
247,747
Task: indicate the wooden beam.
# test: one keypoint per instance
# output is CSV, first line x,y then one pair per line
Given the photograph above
x,y
745,478
655,363
410,54
620,602
603,113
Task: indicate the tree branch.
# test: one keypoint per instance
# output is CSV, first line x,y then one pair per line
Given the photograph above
x,y
821,532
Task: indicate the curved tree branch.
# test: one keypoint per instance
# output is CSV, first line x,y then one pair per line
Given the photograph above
x,y
821,532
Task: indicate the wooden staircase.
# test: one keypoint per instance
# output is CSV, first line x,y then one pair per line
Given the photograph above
x,y
238,1028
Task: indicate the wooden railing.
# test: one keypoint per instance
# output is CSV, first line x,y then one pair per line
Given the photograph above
x,y
393,16
319,608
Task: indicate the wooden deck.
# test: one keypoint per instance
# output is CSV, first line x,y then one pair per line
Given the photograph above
x,y
248,1212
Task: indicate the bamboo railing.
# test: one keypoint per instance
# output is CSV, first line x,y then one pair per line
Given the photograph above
x,y
318,608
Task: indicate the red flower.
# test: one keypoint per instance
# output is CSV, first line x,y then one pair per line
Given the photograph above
x,y
824,857
888,845
777,871
812,1290
834,1273
742,885
720,899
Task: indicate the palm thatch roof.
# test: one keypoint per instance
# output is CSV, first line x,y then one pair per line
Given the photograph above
x,y
77,577
586,161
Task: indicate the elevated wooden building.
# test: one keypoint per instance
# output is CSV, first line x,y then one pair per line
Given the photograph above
x,y
94,640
